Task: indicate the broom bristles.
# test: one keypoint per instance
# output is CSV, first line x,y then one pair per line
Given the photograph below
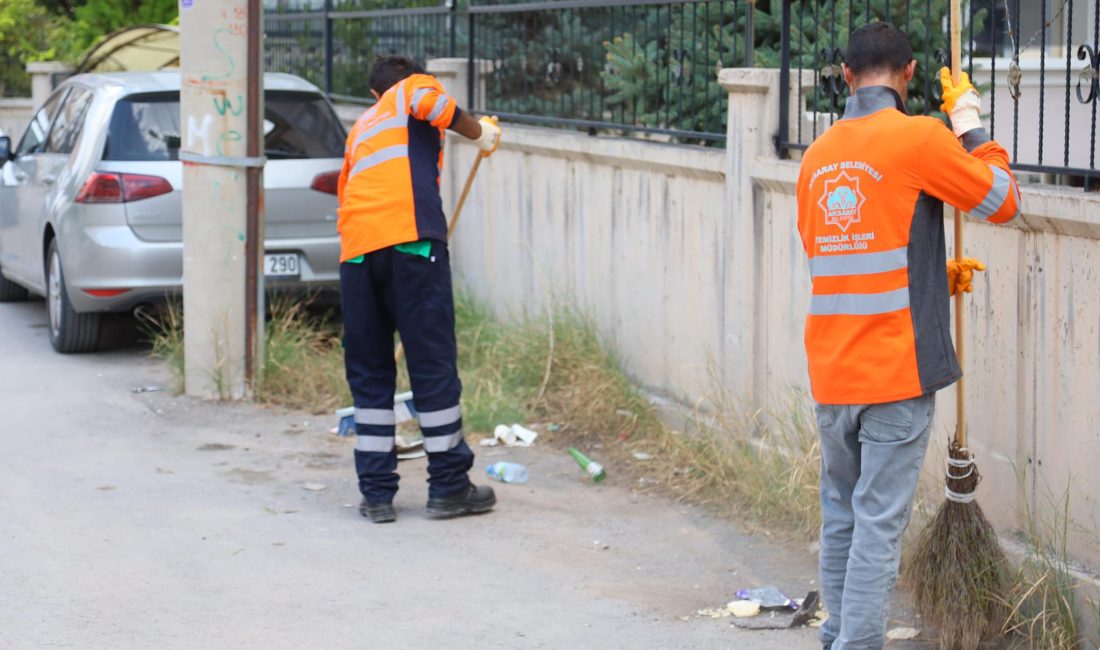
x,y
956,569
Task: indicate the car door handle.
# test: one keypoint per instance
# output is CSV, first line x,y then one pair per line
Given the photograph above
x,y
49,180
19,176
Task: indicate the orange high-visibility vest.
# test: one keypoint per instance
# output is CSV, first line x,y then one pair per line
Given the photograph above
x,y
870,212
389,186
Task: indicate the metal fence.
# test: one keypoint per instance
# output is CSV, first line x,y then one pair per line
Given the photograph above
x,y
1036,62
639,66
630,66
650,66
333,42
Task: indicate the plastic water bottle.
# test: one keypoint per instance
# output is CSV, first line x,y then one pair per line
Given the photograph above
x,y
507,472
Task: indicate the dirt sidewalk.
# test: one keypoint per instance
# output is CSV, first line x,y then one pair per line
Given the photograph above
x,y
140,520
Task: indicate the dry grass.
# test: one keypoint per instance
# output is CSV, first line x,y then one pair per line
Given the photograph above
x,y
1042,602
165,332
763,469
303,360
555,370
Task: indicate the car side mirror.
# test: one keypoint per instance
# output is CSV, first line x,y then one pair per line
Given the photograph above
x,y
5,149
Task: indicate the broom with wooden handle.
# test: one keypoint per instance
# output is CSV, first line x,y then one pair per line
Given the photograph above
x,y
956,568
481,155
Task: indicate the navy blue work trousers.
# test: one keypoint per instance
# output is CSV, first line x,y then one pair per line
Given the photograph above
x,y
391,290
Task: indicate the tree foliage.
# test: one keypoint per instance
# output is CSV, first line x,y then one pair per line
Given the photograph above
x,y
28,33
62,30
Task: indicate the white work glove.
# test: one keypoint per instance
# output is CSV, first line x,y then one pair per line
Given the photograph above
x,y
490,135
961,102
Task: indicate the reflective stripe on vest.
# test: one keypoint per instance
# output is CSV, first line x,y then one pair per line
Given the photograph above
x,y
996,196
859,263
379,157
859,304
401,120
385,125
414,105
440,105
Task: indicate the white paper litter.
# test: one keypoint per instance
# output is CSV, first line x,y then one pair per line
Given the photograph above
x,y
516,435
313,487
743,608
902,633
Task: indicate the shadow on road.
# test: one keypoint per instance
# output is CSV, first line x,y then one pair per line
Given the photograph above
x,y
118,332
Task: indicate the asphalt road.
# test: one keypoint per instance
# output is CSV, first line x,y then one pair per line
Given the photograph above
x,y
152,520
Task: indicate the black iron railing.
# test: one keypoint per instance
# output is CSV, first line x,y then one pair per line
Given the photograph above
x,y
630,66
650,66
333,42
1037,64
640,66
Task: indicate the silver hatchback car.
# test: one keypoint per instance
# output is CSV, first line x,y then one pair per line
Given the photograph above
x,y
90,198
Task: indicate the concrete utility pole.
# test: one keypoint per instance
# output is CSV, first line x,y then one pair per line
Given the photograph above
x,y
221,107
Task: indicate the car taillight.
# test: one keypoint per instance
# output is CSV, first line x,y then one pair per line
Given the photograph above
x,y
101,188
105,293
327,182
108,187
136,187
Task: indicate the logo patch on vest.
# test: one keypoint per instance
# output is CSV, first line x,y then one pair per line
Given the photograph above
x,y
841,201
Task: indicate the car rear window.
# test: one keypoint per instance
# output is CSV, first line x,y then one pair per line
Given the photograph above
x,y
296,125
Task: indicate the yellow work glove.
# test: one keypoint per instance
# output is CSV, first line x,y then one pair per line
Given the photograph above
x,y
961,102
490,135
961,273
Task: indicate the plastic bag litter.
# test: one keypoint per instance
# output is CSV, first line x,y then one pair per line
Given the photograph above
x,y
768,598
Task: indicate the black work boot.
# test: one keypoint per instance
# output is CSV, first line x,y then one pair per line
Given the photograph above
x,y
473,500
378,513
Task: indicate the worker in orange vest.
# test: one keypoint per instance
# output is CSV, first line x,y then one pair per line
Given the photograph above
x,y
871,191
395,274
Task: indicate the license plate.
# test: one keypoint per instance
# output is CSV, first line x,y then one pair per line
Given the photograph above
x,y
281,265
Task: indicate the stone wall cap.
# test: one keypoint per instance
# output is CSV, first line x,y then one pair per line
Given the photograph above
x,y
457,66
757,80
49,67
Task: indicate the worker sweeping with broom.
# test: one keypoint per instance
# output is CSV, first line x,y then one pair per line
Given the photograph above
x,y
871,191
395,275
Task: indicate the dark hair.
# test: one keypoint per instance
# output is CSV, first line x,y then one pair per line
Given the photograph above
x,y
878,47
389,70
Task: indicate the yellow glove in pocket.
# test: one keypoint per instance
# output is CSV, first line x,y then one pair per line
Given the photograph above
x,y
960,274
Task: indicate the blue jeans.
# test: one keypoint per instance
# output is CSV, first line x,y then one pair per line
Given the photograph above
x,y
871,456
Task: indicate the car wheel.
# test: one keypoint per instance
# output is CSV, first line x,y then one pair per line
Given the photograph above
x,y
69,331
10,291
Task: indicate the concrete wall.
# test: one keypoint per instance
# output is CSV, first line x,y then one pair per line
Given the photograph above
x,y
690,264
14,116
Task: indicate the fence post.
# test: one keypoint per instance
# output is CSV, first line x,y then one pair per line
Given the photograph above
x,y
783,135
750,123
471,71
452,24
44,74
328,46
750,32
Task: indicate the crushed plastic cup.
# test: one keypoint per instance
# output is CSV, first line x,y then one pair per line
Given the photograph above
x,y
524,435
